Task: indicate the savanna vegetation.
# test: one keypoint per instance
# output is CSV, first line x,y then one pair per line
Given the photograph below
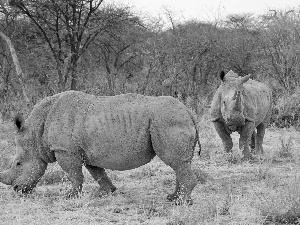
x,y
106,49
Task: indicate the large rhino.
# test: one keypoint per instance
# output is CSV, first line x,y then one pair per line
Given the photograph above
x,y
119,133
243,105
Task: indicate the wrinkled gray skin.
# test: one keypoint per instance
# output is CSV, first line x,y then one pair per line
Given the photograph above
x,y
243,105
118,133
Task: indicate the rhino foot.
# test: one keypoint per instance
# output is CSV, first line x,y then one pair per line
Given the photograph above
x,y
73,193
113,189
172,197
100,192
23,189
248,158
179,200
110,188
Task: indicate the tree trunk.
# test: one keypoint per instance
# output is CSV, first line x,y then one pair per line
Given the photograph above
x,y
146,71
20,73
73,68
5,72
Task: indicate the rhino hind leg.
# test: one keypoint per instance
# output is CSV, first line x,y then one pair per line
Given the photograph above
x,y
175,147
102,179
224,135
72,165
185,183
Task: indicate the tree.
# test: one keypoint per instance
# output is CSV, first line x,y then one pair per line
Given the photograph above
x,y
281,46
6,67
118,51
14,93
68,27
188,58
241,42
17,65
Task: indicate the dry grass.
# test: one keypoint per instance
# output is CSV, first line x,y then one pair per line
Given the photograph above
x,y
264,192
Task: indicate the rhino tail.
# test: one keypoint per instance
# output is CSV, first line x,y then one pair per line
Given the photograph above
x,y
193,117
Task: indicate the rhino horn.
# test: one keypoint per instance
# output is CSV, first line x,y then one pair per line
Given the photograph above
x,y
245,78
238,103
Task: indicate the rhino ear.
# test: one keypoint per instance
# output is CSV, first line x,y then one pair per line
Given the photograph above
x,y
222,75
245,78
19,122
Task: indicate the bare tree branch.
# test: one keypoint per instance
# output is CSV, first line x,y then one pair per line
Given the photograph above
x,y
19,71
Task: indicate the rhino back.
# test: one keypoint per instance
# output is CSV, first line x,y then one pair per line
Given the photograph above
x,y
107,129
257,100
117,131
113,132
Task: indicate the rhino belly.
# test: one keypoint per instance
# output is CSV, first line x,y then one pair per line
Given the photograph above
x,y
116,151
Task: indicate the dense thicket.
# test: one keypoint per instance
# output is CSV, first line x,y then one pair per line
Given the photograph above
x,y
106,50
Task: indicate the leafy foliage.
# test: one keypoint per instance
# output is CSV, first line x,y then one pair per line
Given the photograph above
x,y
286,110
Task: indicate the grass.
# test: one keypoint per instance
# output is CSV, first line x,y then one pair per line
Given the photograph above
x,y
264,192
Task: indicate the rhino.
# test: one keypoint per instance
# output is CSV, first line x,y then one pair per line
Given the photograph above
x,y
119,132
243,105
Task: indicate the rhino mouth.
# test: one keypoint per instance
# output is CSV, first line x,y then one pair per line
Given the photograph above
x,y
235,120
232,127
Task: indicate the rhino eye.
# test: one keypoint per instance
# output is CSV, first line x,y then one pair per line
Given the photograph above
x,y
18,163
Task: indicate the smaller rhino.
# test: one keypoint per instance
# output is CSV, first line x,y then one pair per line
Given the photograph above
x,y
243,105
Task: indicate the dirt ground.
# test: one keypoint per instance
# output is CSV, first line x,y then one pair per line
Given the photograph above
x,y
262,192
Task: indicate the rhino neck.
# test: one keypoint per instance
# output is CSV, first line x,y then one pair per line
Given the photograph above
x,y
42,151
47,155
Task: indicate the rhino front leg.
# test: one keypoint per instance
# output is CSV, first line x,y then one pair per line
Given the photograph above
x,y
72,165
253,140
261,128
175,195
101,177
245,138
224,135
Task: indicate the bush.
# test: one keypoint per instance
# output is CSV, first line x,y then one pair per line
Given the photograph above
x,y
286,110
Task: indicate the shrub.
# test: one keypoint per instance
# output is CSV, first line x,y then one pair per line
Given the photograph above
x,y
284,206
286,110
286,145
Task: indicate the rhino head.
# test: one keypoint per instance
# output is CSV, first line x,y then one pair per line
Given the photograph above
x,y
231,99
26,167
